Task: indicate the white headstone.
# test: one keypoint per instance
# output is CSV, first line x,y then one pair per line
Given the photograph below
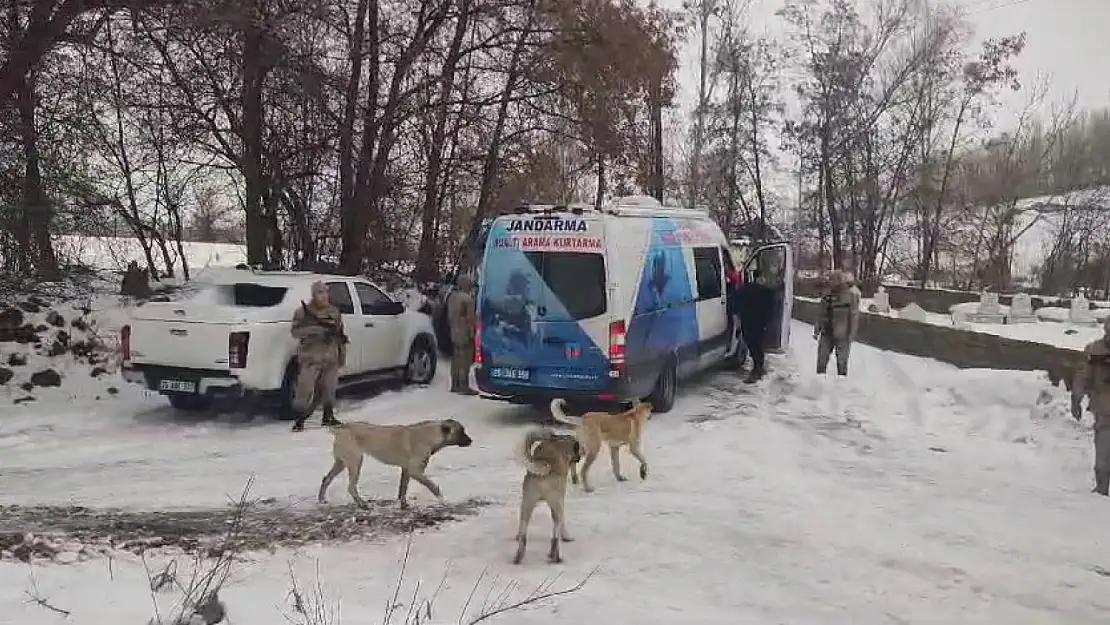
x,y
959,319
1021,309
989,310
913,312
881,301
1080,310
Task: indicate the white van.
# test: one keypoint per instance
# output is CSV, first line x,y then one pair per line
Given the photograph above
x,y
601,307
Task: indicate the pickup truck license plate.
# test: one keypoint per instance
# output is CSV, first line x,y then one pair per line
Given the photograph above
x,y
178,386
510,373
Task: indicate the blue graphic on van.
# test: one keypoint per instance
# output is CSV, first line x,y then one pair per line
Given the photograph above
x,y
528,338
664,318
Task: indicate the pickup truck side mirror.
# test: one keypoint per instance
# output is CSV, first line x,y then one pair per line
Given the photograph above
x,y
387,308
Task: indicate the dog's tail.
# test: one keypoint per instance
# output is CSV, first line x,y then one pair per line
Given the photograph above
x,y
533,466
562,417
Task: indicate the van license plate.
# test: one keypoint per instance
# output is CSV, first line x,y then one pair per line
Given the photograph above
x,y
510,373
178,386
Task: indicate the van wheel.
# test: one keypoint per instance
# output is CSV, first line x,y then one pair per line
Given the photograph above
x,y
288,389
190,403
421,365
666,387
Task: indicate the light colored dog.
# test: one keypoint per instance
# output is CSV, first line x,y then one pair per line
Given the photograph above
x,y
547,457
409,447
615,429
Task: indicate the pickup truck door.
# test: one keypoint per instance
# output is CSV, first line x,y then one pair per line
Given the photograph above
x,y
382,331
340,295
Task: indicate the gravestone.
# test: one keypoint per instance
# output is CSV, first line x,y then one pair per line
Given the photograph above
x,y
913,312
959,319
989,311
1080,310
1021,309
881,301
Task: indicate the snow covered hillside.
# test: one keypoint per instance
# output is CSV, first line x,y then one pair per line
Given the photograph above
x,y
911,492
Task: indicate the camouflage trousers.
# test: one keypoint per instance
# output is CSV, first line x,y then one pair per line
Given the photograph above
x,y
316,384
1102,444
826,345
461,359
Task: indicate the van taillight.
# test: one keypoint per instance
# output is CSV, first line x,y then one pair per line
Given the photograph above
x,y
616,349
237,345
478,343
125,342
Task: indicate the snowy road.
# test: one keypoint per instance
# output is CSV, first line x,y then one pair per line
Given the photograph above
x,y
909,493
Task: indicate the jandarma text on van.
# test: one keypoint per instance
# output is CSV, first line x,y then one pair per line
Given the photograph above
x,y
575,243
547,225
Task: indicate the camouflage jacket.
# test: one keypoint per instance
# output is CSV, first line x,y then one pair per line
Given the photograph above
x,y
838,317
1092,378
321,335
461,317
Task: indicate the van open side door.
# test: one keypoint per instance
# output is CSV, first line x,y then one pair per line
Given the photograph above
x,y
775,263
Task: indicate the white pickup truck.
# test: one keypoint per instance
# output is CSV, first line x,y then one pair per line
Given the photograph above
x,y
233,339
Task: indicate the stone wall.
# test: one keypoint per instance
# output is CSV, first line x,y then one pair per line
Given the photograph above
x,y
932,300
961,348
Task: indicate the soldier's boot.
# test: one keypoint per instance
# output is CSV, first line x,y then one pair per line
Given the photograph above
x,y
329,419
298,423
755,374
1102,483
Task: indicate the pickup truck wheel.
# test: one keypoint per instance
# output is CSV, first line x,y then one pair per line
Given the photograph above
x,y
666,387
421,365
190,403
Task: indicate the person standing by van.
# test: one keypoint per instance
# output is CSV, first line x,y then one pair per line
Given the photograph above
x,y
837,322
322,350
1092,380
461,316
756,304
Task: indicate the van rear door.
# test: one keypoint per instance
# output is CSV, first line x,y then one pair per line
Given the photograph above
x,y
543,303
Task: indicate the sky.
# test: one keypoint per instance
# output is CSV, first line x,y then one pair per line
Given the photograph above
x,y
1067,43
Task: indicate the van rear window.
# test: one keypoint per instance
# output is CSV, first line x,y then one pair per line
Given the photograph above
x,y
576,278
248,295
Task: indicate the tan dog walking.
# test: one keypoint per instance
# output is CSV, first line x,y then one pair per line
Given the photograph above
x,y
615,429
409,447
547,457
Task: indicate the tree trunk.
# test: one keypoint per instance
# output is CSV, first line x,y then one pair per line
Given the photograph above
x,y
37,212
350,104
493,153
655,106
426,270
253,120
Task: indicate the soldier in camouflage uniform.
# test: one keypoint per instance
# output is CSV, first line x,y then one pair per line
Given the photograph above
x,y
318,326
837,322
1092,379
461,316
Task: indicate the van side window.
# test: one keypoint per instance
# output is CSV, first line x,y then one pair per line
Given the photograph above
x,y
340,295
707,272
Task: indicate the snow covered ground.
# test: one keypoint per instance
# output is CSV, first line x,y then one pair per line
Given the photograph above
x,y
113,253
911,492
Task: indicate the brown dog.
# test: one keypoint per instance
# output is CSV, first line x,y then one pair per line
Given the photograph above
x,y
547,457
407,446
616,430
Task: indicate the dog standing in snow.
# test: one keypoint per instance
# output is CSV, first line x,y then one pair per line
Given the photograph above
x,y
409,447
548,458
615,429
